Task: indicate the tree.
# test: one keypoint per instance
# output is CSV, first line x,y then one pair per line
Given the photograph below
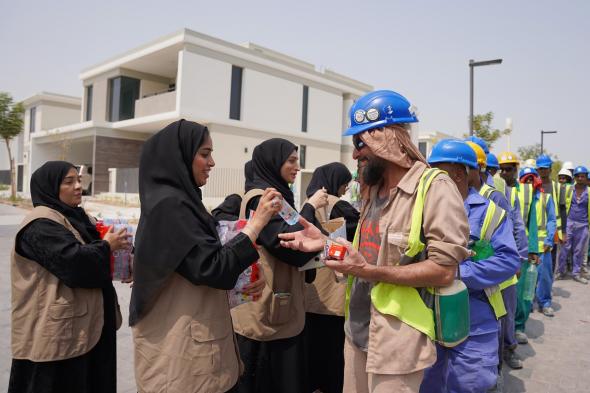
x,y
11,124
482,128
534,151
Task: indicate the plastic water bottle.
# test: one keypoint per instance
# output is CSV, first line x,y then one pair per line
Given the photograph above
x,y
288,213
530,282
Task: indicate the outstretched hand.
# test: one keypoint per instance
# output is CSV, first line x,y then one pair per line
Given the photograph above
x,y
309,239
353,263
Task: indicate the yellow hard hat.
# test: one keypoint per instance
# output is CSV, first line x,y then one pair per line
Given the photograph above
x,y
481,155
507,157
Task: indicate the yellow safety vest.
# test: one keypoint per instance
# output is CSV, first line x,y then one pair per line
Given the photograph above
x,y
403,302
542,219
486,192
492,220
525,197
500,184
555,190
569,194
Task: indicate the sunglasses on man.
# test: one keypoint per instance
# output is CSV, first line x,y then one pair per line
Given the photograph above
x,y
357,142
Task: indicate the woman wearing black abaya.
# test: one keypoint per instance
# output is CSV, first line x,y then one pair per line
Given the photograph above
x,y
229,209
324,320
64,307
270,330
179,309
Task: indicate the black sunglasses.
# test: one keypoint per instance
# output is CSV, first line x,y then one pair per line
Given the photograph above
x,y
357,142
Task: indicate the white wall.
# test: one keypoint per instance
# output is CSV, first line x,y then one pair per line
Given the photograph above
x,y
203,87
57,116
324,115
4,163
150,87
271,103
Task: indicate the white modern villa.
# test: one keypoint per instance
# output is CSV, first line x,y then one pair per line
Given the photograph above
x,y
244,94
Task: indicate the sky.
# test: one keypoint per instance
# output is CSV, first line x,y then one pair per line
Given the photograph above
x,y
420,49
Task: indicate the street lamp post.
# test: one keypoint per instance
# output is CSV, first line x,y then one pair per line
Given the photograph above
x,y
472,65
543,133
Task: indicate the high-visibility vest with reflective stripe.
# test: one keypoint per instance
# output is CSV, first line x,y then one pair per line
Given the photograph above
x,y
500,184
555,195
542,219
525,198
492,220
486,192
403,302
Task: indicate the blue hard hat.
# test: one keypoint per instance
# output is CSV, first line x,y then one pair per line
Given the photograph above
x,y
581,170
544,161
527,171
453,151
493,161
480,142
379,109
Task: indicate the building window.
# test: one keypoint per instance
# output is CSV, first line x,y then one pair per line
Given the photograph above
x,y
304,108
123,91
235,104
302,155
32,118
422,148
88,115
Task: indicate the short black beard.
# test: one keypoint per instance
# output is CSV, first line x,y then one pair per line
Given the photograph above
x,y
373,172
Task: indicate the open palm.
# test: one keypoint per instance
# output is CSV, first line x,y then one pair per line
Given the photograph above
x,y
309,239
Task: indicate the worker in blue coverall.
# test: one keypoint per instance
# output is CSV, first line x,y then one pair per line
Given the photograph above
x,y
546,224
509,202
472,365
577,207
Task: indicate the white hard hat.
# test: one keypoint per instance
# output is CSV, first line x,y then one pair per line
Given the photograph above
x,y
568,165
565,172
530,163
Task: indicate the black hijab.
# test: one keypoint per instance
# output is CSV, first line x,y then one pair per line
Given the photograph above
x,y
331,176
45,183
173,219
267,160
249,175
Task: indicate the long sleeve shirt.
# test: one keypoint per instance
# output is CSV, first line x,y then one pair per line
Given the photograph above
x,y
489,272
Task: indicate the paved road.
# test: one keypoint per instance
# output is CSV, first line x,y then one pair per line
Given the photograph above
x,y
556,360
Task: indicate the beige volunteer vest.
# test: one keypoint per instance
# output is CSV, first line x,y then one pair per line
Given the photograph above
x,y
325,295
51,321
280,311
185,343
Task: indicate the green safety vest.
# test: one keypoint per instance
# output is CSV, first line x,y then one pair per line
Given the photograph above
x,y
569,194
555,191
525,198
500,184
486,192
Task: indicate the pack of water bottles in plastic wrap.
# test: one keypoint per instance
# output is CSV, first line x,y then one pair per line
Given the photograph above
x,y
121,260
227,230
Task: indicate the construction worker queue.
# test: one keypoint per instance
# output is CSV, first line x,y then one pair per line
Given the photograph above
x,y
429,289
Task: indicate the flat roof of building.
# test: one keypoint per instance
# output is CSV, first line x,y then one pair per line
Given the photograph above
x,y
172,43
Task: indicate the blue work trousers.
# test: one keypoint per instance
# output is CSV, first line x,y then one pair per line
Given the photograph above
x,y
508,330
544,280
577,236
470,367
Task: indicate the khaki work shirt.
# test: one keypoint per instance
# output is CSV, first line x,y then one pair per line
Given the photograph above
x,y
394,347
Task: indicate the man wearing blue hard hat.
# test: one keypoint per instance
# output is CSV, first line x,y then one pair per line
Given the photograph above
x,y
577,206
496,190
472,365
398,252
544,166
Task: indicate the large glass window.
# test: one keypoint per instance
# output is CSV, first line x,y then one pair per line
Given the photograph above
x,y
304,106
32,116
302,155
123,91
235,104
88,114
